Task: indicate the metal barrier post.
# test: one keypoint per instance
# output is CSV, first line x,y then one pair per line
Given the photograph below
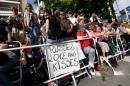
x,y
47,63
75,84
106,60
71,73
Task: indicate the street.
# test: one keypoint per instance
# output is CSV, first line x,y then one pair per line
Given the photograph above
x,y
121,77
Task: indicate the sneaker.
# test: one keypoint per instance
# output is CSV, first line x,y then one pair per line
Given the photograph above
x,y
91,65
93,73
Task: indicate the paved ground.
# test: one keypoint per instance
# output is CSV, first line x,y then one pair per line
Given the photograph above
x,y
121,78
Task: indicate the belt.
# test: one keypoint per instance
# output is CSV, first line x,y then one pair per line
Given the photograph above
x,y
53,38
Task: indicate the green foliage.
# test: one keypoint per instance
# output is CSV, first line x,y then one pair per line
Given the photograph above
x,y
82,6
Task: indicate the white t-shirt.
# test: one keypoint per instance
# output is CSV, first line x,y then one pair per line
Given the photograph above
x,y
73,20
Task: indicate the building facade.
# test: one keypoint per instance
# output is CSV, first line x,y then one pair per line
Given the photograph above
x,y
5,7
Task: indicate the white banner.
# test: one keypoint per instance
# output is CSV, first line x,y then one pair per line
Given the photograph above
x,y
80,51
62,58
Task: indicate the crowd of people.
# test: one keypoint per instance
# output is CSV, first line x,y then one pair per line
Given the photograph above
x,y
56,26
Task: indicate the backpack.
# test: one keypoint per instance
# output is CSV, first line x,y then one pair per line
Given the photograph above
x,y
55,28
105,70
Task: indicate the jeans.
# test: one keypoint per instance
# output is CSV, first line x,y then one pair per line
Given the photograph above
x,y
34,33
4,80
104,46
5,68
91,55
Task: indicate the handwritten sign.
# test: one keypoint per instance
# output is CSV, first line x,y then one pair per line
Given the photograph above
x,y
80,51
62,58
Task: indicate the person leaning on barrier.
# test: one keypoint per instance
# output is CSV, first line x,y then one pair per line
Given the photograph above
x,y
121,30
109,31
53,28
86,45
97,33
67,27
109,34
7,58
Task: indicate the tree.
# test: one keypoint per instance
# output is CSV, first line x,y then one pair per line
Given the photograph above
x,y
83,6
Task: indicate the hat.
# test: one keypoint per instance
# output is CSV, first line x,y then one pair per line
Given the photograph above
x,y
81,26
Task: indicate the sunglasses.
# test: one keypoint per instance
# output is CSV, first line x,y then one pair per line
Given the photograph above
x,y
61,13
46,15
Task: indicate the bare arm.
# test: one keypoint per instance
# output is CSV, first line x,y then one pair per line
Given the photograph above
x,y
80,37
89,34
47,25
71,26
3,46
9,36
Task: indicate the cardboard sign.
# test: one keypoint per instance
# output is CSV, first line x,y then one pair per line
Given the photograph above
x,y
80,51
62,58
